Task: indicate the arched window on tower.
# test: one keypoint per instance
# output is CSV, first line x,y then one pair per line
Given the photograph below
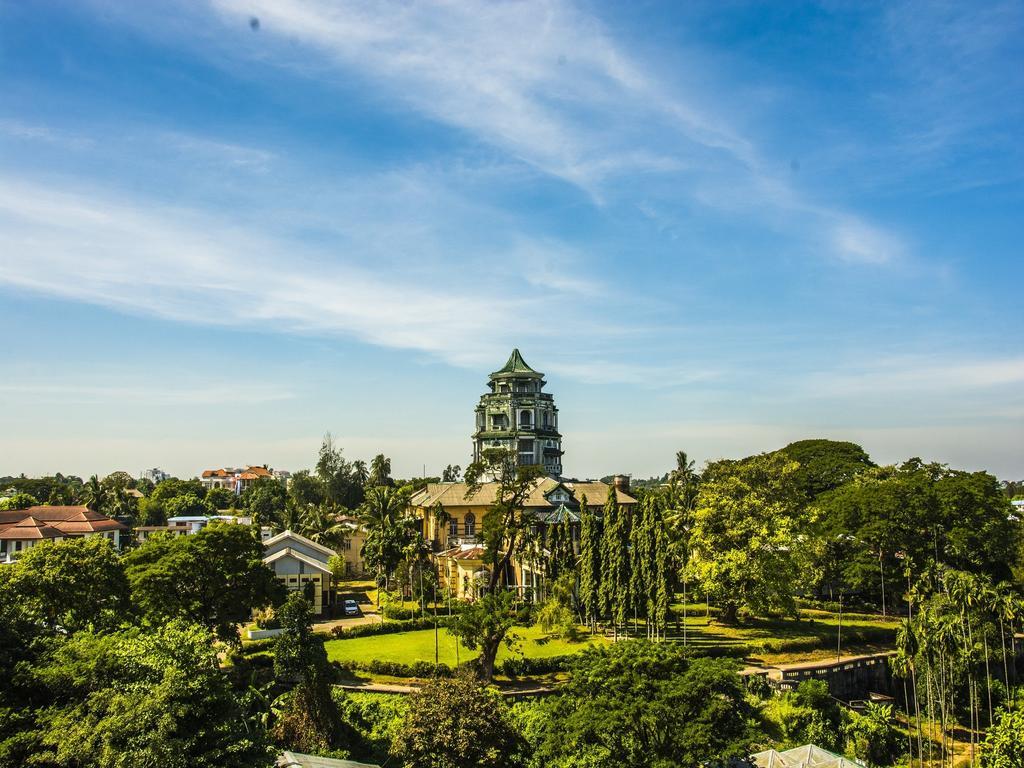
x,y
470,522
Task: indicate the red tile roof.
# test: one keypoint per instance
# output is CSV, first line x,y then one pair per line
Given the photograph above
x,y
43,522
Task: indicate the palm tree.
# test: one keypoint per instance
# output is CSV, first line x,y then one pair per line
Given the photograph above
x,y
380,470
93,494
322,526
383,513
359,472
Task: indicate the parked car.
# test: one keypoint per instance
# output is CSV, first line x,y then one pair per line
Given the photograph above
x,y
351,608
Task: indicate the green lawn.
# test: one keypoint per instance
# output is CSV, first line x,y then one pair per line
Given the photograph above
x,y
408,647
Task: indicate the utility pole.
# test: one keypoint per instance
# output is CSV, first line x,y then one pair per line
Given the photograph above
x,y
839,634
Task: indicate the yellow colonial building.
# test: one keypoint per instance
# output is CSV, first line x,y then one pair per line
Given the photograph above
x,y
453,519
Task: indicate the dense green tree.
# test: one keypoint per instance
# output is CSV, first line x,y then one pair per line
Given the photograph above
x,y
916,515
220,498
451,474
615,562
745,524
117,481
309,720
825,465
874,736
457,724
215,578
72,584
338,476
18,501
264,500
640,704
186,505
153,509
589,563
153,697
306,490
1004,745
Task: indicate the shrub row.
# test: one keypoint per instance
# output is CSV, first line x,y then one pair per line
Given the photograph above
x,y
250,647
389,627
514,667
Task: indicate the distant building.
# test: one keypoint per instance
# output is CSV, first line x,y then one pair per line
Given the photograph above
x,y
22,529
518,416
351,549
155,475
238,479
300,564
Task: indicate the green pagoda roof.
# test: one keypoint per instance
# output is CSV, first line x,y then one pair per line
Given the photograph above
x,y
516,366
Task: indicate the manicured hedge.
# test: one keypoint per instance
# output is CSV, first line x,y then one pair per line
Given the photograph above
x,y
389,627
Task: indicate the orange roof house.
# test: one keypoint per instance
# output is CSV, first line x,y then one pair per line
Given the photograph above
x,y
21,529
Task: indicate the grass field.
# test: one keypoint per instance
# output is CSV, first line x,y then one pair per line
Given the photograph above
x,y
408,647
813,635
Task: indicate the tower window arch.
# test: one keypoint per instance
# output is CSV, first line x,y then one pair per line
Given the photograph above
x,y
469,521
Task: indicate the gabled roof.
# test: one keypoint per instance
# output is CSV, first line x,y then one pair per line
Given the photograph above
x,y
516,366
69,520
30,528
293,536
295,554
807,756
453,495
560,515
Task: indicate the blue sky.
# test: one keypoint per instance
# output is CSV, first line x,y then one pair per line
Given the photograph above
x,y
228,227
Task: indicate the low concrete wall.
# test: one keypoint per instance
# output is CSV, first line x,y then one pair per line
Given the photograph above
x,y
262,634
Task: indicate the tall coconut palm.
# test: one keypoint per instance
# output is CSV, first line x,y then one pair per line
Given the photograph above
x,y
322,526
93,495
360,472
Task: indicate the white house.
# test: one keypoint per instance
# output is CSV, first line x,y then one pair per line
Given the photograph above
x,y
298,562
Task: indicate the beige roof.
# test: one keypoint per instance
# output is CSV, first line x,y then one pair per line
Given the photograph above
x,y
468,552
454,494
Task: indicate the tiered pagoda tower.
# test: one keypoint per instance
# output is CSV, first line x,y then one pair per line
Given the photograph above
x,y
517,415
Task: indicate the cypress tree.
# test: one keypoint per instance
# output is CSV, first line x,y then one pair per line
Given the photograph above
x,y
615,562
640,561
554,551
589,564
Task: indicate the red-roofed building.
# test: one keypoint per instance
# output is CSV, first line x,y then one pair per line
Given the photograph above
x,y
21,529
238,479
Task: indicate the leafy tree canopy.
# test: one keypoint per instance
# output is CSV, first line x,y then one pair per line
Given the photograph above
x,y
457,724
636,703
72,584
825,464
141,697
214,578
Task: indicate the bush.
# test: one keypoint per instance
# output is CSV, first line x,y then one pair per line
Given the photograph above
x,y
250,647
397,669
515,667
390,627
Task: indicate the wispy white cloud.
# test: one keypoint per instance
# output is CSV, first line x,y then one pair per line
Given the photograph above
x,y
87,390
546,82
924,376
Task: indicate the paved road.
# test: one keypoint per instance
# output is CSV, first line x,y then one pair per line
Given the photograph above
x,y
327,626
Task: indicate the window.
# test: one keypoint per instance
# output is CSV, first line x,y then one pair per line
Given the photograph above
x,y
453,527
470,524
